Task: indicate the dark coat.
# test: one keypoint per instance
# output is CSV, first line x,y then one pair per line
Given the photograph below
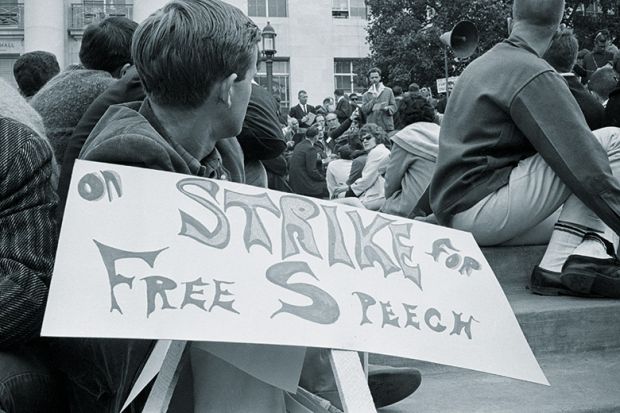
x,y
261,137
343,110
304,176
591,108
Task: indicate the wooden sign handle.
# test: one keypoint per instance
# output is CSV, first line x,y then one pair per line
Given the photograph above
x,y
351,381
166,381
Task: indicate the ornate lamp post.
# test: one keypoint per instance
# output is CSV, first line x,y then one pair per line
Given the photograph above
x,y
269,50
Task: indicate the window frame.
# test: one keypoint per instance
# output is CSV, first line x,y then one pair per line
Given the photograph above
x,y
265,5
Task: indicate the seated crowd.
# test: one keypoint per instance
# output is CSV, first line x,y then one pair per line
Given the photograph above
x,y
531,156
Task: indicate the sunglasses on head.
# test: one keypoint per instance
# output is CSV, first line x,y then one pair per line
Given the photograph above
x,y
367,137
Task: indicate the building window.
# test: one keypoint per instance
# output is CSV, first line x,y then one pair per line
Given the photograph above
x,y
346,76
344,9
267,8
280,82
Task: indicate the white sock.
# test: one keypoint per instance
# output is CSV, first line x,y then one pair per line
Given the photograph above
x,y
565,238
592,247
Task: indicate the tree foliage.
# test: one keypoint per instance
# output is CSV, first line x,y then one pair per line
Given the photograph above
x,y
404,34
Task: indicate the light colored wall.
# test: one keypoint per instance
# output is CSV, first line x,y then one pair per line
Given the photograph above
x,y
311,39
44,27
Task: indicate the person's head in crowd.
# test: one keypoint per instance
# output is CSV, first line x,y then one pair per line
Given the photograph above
x,y
320,121
32,70
293,124
353,98
537,19
329,105
412,109
338,93
398,91
602,82
600,41
372,135
107,45
414,88
213,85
302,96
345,152
331,119
312,134
426,93
374,75
355,142
562,54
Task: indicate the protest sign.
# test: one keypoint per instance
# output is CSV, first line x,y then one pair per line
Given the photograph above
x,y
441,83
151,254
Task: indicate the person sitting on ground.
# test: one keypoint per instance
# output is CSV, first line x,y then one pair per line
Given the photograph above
x,y
510,172
105,51
28,244
562,55
33,70
413,157
602,82
305,177
187,111
378,103
369,189
338,170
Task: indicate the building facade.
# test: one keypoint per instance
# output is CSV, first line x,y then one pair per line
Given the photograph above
x,y
319,43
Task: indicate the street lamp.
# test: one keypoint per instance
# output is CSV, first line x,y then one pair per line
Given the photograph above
x,y
269,50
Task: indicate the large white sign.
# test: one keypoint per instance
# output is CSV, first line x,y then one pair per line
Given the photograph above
x,y
150,254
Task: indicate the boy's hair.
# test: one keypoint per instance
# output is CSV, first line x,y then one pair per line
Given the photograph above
x,y
181,50
562,54
107,45
33,70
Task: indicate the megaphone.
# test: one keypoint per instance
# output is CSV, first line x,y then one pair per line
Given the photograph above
x,y
462,39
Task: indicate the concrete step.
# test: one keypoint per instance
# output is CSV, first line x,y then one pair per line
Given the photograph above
x,y
513,265
576,341
584,382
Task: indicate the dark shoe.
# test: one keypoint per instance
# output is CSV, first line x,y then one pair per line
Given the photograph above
x,y
592,277
389,385
544,282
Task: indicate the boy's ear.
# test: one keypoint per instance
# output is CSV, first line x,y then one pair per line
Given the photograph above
x,y
224,89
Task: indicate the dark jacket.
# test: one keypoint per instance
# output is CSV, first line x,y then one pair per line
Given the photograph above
x,y
127,89
592,109
304,176
343,110
144,142
261,136
508,105
27,230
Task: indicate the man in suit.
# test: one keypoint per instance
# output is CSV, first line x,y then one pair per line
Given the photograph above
x,y
301,111
343,108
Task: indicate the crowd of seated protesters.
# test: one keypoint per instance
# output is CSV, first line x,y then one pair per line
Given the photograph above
x,y
382,150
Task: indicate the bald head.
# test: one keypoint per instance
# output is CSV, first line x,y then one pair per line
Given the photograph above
x,y
541,13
